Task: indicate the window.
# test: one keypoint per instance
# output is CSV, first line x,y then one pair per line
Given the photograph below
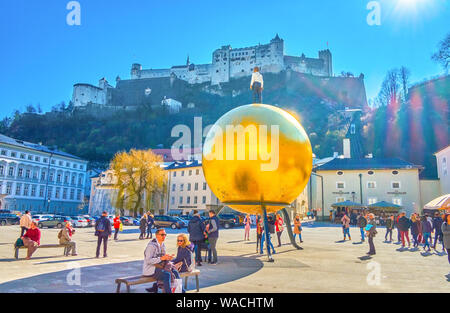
x,y
45,160
80,180
74,165
41,191
340,173
370,172
197,172
190,172
30,157
204,186
352,129
172,200
195,200
3,152
189,187
204,199
60,163
58,178
444,166
174,186
78,194
182,173
26,189
371,200
395,185
8,188
196,186
394,172
22,156
81,167
73,180
53,161
65,193
35,175
20,172
181,187
340,199
340,185
72,194
397,201
2,169
371,184
174,174
67,164
37,159
13,154
11,171
18,189
57,192
33,190
50,192
181,200
50,177
27,173
188,200
66,179
43,176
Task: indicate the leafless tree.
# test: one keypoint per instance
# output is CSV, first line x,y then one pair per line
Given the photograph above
x,y
442,56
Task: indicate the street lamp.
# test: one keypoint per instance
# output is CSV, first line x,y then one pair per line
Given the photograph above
x,y
353,196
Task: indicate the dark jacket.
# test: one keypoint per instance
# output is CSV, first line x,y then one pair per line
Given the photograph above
x,y
184,255
150,221
427,227
445,228
404,223
271,225
415,228
196,229
107,225
143,224
389,223
373,230
437,224
213,227
362,222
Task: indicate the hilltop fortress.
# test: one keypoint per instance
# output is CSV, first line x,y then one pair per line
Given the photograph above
x,y
227,64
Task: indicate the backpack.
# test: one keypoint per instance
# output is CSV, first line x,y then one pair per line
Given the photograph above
x,y
60,234
101,227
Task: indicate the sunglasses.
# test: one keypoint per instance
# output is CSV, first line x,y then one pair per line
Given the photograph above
x,y
180,240
162,235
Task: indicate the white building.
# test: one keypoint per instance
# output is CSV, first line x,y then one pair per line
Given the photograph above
x,y
443,169
36,178
172,105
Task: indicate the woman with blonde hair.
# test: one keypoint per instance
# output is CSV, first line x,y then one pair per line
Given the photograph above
x,y
183,259
247,223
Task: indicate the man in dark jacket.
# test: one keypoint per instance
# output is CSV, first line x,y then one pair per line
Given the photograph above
x,y
437,225
213,235
362,222
371,233
103,231
196,230
404,224
389,227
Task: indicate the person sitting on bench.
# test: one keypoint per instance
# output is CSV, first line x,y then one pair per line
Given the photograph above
x,y
32,239
65,238
157,262
183,261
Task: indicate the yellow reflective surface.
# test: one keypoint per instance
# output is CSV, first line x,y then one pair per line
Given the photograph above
x,y
251,164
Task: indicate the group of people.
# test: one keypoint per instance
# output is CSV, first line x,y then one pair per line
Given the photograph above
x,y
420,227
145,225
204,235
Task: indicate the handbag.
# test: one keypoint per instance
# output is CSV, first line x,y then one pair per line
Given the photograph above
x,y
19,243
177,286
121,227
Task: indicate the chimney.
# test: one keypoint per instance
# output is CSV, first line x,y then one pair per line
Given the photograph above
x,y
346,143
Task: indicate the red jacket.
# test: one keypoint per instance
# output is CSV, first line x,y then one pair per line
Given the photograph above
x,y
117,222
34,234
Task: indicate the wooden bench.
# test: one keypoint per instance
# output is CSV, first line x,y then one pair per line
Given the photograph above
x,y
138,280
16,249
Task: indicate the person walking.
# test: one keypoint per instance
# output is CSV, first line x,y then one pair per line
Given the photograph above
x,y
345,220
156,261
445,228
427,229
371,233
257,85
404,224
361,223
143,226
399,237
116,223
279,228
65,238
32,239
271,230
415,225
389,228
437,228
298,228
247,222
259,231
196,230
103,231
150,222
213,235
25,222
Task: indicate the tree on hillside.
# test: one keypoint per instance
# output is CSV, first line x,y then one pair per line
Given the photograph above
x,y
442,56
389,89
140,179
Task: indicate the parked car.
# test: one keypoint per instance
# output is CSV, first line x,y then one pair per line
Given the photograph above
x,y
126,220
169,221
228,220
9,219
80,221
90,220
41,217
55,221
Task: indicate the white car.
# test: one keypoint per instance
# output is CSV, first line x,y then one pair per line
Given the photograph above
x,y
41,217
79,221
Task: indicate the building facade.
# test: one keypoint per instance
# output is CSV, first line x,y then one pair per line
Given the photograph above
x,y
443,169
36,178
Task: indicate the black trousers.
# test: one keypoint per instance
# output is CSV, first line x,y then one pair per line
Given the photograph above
x,y
99,243
115,233
388,232
258,241
257,92
371,246
142,235
23,231
279,238
149,231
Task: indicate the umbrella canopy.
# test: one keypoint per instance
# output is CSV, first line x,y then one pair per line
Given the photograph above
x,y
385,206
348,204
440,203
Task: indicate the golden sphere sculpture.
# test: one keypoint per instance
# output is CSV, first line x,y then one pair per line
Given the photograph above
x,y
256,154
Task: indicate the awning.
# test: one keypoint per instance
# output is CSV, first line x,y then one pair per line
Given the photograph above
x,y
440,203
385,206
348,204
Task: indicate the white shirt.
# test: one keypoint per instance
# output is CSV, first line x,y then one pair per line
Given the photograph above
x,y
257,77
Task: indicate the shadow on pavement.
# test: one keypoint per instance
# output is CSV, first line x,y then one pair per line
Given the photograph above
x,y
64,261
101,278
365,257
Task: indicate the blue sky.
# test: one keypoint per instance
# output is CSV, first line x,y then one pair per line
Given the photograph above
x,y
41,57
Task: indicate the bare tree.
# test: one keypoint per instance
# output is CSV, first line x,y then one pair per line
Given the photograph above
x,y
404,80
442,56
389,88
